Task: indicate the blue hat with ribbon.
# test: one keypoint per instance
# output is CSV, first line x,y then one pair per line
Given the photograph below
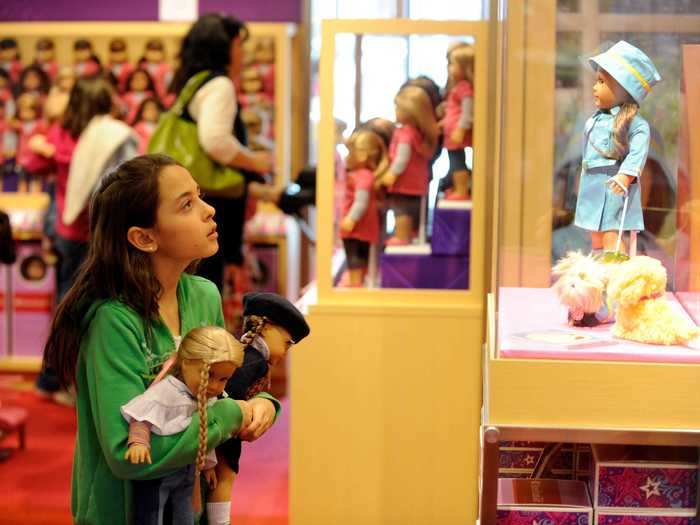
x,y
632,69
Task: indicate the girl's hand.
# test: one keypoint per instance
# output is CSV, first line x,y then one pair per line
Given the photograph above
x,y
457,135
246,414
137,454
620,181
263,417
210,476
347,224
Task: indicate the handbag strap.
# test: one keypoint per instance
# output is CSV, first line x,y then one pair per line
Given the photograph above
x,y
191,87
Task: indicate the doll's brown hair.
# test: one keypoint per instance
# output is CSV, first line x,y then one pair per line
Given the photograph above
x,y
377,160
210,345
416,103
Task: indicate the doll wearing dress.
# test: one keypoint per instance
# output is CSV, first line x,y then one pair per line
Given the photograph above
x,y
45,57
206,359
359,228
28,124
140,86
411,149
457,123
616,143
118,65
146,121
158,68
85,61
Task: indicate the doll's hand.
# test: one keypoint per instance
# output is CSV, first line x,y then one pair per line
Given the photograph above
x,y
347,224
263,417
246,414
39,145
618,180
389,179
137,454
457,135
210,476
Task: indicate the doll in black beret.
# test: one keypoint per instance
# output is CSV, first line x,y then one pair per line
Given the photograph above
x,y
271,325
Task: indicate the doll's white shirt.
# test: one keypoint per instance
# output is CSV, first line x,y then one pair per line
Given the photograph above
x,y
167,407
214,108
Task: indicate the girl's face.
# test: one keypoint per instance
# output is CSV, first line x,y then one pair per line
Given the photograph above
x,y
139,82
278,341
607,93
185,229
150,112
219,374
453,70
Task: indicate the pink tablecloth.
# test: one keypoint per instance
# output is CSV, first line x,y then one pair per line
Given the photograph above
x,y
532,325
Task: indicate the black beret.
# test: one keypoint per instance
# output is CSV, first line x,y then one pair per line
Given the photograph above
x,y
278,310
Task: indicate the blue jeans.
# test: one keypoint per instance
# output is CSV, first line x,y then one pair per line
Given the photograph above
x,y
165,500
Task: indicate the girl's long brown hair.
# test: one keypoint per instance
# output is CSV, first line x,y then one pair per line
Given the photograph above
x,y
113,268
89,97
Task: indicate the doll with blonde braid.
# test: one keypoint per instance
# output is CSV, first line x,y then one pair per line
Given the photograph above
x,y
411,149
206,359
271,325
616,143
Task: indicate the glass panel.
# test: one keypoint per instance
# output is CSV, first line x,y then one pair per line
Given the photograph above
x,y
649,6
383,228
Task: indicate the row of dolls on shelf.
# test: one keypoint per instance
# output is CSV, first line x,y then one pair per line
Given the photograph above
x,y
258,67
389,165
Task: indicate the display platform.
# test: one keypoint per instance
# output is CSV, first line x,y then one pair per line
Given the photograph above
x,y
533,325
691,304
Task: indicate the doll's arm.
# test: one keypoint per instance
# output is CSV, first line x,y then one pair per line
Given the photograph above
x,y
466,117
114,366
633,163
357,210
398,165
139,443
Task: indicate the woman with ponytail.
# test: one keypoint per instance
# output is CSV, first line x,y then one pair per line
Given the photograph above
x,y
616,143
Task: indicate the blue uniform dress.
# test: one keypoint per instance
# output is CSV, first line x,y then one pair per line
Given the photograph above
x,y
598,208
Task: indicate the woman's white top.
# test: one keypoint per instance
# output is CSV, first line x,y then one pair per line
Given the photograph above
x,y
167,407
214,108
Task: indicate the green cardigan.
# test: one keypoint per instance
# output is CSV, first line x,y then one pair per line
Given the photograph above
x,y
115,364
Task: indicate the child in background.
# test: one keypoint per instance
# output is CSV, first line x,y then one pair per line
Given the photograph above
x,y
205,361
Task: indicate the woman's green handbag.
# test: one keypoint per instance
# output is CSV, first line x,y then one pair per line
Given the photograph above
x,y
177,137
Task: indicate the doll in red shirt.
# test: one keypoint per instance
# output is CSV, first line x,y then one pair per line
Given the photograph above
x,y
118,65
146,120
158,68
85,62
366,161
45,57
458,120
28,123
411,149
34,80
140,86
9,58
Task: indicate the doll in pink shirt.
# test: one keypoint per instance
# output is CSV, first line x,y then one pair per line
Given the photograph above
x,y
458,120
140,86
359,227
411,149
146,120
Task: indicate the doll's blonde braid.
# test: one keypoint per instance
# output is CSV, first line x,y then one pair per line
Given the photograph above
x,y
202,449
621,127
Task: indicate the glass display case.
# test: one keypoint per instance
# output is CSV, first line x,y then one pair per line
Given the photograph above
x,y
414,233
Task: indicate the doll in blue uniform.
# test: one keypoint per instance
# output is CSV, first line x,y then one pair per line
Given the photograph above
x,y
615,146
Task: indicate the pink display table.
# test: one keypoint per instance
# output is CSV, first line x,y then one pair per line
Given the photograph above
x,y
532,325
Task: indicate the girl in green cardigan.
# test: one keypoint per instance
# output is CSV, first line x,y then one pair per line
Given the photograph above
x,y
131,301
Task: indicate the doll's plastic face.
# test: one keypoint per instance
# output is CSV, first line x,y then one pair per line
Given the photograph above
x,y
278,341
265,51
607,93
154,56
82,55
454,71
219,374
31,81
6,55
26,113
150,112
251,81
117,57
402,115
248,48
364,150
45,55
139,82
